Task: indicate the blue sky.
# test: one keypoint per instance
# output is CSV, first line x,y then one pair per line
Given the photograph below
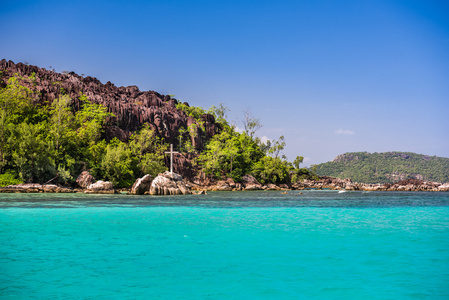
x,y
331,76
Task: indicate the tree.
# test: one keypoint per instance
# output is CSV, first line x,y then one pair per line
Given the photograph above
x,y
188,135
143,141
118,164
271,170
250,123
220,113
152,163
62,130
15,107
61,119
30,153
62,133
90,120
230,154
149,151
277,146
265,146
298,160
96,153
231,150
210,158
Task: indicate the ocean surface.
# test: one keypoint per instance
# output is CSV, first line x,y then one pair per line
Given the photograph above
x,y
225,245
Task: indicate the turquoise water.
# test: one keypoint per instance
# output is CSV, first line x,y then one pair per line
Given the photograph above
x,y
249,245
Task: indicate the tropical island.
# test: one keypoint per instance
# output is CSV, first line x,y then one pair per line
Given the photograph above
x,y
62,132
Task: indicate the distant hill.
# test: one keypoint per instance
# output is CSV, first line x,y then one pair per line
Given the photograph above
x,y
386,167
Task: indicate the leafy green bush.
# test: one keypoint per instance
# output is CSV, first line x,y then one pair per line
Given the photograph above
x,y
271,170
9,179
230,154
194,111
118,164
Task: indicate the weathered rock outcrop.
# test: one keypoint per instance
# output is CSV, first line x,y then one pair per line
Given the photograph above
x,y
221,185
169,184
444,187
101,187
182,164
272,187
250,183
132,108
85,179
142,185
249,180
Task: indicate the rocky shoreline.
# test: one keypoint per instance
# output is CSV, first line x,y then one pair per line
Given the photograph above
x,y
332,183
173,184
326,182
38,188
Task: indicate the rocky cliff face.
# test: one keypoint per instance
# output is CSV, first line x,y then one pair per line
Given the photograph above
x,y
132,108
347,157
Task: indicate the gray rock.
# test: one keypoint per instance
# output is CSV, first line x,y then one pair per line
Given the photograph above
x,y
85,179
250,183
100,187
23,188
272,187
253,187
142,185
250,180
221,185
50,188
230,182
444,187
169,184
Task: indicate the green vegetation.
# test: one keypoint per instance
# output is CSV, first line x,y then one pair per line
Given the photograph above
x,y
53,143
192,111
386,167
9,179
230,154
42,143
233,154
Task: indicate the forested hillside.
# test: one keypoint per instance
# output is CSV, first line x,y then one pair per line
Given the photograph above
x,y
386,167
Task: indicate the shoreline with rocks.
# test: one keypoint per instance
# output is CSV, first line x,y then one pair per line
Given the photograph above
x,y
172,184
326,183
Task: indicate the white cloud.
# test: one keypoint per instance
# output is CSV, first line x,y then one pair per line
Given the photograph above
x,y
238,129
344,131
264,139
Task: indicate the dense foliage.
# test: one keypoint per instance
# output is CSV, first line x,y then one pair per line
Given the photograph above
x,y
386,167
